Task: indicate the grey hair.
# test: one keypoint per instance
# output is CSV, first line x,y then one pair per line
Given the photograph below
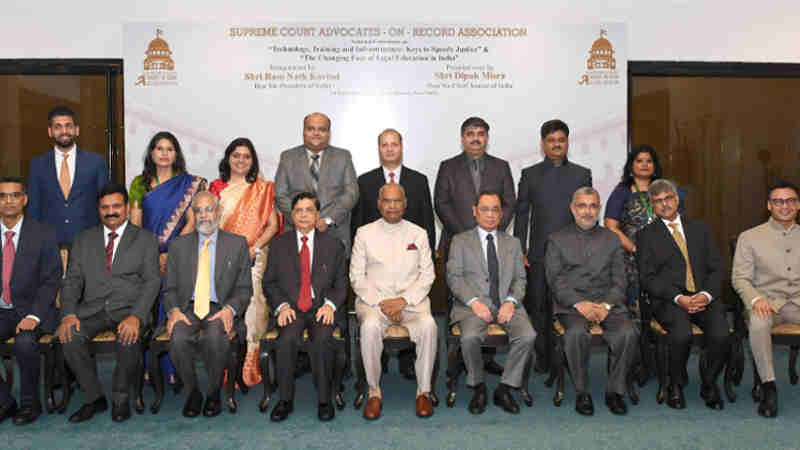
x,y
202,194
585,190
660,186
402,189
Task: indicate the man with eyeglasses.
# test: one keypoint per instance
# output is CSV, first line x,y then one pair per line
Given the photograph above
x,y
31,268
680,267
585,269
766,275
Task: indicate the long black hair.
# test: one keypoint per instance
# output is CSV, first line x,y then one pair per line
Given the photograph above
x,y
149,171
627,172
225,165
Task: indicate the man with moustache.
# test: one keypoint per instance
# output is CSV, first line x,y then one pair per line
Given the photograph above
x,y
31,268
209,285
545,192
306,284
680,267
63,185
320,168
585,269
111,283
391,272
766,275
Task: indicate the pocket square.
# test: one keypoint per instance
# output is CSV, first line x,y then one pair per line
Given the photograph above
x,y
412,246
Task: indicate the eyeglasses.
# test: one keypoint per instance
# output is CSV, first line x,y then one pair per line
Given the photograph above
x,y
669,198
780,202
487,210
11,196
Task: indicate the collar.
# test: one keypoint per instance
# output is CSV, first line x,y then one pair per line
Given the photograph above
x,y
778,227
549,162
676,221
213,236
590,230
483,233
70,152
396,172
119,230
391,227
310,154
310,235
16,228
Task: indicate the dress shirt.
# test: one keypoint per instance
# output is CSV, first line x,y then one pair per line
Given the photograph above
x,y
767,264
310,244
16,229
678,222
59,156
483,233
119,232
396,172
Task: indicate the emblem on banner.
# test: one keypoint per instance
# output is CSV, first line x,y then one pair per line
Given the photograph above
x,y
159,68
601,67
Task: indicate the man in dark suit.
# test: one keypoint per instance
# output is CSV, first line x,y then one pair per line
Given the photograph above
x,y
306,285
459,181
31,268
680,267
111,284
320,168
63,185
545,192
209,285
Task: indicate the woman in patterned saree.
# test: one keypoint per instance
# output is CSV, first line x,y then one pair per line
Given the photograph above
x,y
160,199
248,209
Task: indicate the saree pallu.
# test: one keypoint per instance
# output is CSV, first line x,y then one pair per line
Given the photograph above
x,y
164,208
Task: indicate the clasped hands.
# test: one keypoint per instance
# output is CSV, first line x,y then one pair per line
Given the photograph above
x,y
176,315
288,315
393,308
693,303
593,312
504,314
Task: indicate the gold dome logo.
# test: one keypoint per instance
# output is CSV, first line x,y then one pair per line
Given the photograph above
x,y
601,67
159,67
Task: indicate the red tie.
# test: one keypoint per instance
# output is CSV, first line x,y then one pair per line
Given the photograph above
x,y
391,177
8,265
304,299
110,250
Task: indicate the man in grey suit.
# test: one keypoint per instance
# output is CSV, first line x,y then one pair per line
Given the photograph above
x,y
487,277
112,281
209,285
327,171
585,269
545,192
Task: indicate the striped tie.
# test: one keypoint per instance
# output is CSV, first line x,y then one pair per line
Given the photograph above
x,y
315,172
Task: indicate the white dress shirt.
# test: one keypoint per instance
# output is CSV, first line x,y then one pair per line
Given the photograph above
x,y
396,174
119,232
59,157
310,245
679,224
16,229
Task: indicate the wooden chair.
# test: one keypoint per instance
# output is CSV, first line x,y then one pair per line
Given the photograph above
x,y
50,379
784,334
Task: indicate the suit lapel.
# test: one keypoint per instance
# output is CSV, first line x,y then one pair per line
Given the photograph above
x,y
670,239
51,167
193,256
80,157
688,235
125,241
19,250
468,173
304,167
478,245
220,258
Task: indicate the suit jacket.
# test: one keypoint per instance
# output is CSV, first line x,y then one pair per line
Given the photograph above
x,y
454,194
46,202
545,192
662,268
36,273
338,187
130,288
233,280
468,273
419,210
281,280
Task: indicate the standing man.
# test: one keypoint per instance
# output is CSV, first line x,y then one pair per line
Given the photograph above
x,y
766,275
392,274
112,281
585,269
545,193
63,185
487,277
326,171
209,285
306,283
31,269
681,268
459,181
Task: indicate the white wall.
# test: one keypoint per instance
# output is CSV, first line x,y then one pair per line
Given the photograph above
x,y
687,30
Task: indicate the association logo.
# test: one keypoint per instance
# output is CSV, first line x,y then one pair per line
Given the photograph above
x,y
601,67
159,68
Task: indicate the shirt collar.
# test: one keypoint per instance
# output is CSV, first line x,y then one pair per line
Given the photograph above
x,y
483,233
676,221
69,152
15,229
213,236
549,162
310,154
310,236
396,172
119,230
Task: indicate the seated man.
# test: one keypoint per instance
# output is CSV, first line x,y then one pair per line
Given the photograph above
x,y
111,284
486,294
766,274
31,268
305,283
681,269
391,271
585,270
209,285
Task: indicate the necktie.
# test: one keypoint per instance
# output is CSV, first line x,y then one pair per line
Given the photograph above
x,y
304,299
391,177
682,245
315,172
202,287
110,250
63,176
8,265
476,175
491,262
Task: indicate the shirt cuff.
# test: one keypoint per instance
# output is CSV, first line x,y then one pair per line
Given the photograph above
x,y
31,316
232,310
511,299
469,302
753,301
280,307
676,298
330,303
708,296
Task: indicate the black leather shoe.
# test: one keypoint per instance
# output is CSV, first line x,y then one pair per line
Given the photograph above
x,y
8,410
584,404
27,415
120,412
616,404
325,412
504,399
281,411
710,393
675,397
479,399
213,406
88,410
490,366
768,407
194,402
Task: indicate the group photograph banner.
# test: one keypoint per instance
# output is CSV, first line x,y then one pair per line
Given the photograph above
x,y
211,83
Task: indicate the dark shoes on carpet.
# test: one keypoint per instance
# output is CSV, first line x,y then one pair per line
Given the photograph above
x,y
213,405
325,412
9,409
675,397
120,411
281,411
616,403
768,407
88,410
479,399
584,404
504,399
193,405
710,393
